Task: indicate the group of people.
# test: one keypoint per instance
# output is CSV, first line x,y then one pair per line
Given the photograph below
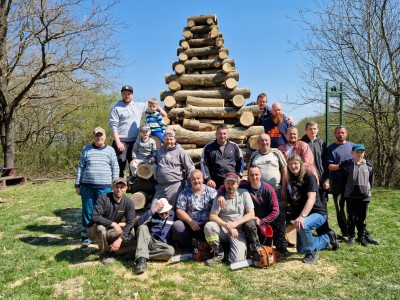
x,y
288,180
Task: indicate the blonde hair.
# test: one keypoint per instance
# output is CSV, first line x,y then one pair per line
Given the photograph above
x,y
152,101
291,177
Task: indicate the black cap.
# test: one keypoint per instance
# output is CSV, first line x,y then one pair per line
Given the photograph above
x,y
126,88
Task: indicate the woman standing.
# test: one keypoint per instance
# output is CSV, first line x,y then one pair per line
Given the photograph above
x,y
309,211
97,168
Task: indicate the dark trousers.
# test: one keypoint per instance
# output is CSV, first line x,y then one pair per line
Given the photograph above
x,y
324,228
182,235
340,202
357,215
123,156
279,224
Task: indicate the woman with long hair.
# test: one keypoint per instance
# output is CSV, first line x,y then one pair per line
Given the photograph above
x,y
308,210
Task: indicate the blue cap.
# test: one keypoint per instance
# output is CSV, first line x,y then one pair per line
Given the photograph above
x,y
358,147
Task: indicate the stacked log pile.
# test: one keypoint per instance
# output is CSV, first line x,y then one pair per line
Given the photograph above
x,y
203,92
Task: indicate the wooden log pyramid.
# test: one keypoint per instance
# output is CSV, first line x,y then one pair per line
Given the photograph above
x,y
203,93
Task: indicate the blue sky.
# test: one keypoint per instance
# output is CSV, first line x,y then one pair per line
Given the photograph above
x,y
256,32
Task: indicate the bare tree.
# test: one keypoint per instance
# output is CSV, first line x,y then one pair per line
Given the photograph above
x,y
47,46
357,42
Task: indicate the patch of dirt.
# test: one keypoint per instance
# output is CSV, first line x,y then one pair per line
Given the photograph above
x,y
72,288
25,217
18,282
1,234
84,264
51,220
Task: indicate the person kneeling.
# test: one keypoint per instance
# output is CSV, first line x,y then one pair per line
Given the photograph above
x,y
104,227
153,235
305,203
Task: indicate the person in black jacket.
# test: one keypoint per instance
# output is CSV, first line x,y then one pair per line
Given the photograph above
x,y
105,227
221,157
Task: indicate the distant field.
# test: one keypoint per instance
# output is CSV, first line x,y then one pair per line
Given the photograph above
x,y
41,258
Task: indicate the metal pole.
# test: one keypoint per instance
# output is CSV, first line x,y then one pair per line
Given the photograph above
x,y
341,105
327,113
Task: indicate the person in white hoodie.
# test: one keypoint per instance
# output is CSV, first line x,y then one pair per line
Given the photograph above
x,y
173,166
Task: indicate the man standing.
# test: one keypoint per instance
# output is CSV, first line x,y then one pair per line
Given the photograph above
x,y
318,148
226,223
336,154
153,235
173,165
193,210
296,147
221,157
124,124
109,210
272,165
276,125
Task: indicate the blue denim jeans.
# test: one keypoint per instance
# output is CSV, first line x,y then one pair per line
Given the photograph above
x,y
89,196
306,243
159,135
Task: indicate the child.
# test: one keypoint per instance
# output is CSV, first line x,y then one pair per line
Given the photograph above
x,y
154,119
144,150
359,178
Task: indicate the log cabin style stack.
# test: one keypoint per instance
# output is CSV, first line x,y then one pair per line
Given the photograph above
x,y
203,93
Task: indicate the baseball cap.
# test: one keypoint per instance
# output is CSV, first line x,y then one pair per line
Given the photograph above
x,y
358,147
99,129
169,133
231,176
166,207
126,88
119,180
144,127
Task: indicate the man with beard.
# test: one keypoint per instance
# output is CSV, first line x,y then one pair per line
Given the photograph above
x,y
124,124
337,153
262,101
276,126
221,157
226,224
192,209
273,171
173,165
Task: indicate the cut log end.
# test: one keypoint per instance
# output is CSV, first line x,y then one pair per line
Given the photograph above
x,y
174,86
222,54
191,23
226,68
247,119
169,102
238,101
182,57
230,83
179,69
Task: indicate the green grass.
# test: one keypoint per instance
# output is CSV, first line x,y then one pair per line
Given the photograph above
x,y
41,258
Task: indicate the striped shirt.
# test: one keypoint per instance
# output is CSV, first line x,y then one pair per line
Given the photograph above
x,y
97,167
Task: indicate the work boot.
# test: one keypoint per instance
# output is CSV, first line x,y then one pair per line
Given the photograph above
x,y
311,258
106,258
351,241
333,240
363,241
141,266
371,240
218,256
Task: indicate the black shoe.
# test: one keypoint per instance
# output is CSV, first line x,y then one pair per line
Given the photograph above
x,y
311,258
351,241
141,266
333,240
370,240
285,253
363,241
344,238
106,258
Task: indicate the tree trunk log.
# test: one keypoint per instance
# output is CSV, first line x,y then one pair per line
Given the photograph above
x,y
169,102
247,119
203,19
226,68
182,57
238,101
174,85
139,200
144,171
195,154
204,102
226,94
203,51
196,125
230,83
213,122
188,146
179,69
166,121
202,138
252,142
190,111
208,63
198,43
199,79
